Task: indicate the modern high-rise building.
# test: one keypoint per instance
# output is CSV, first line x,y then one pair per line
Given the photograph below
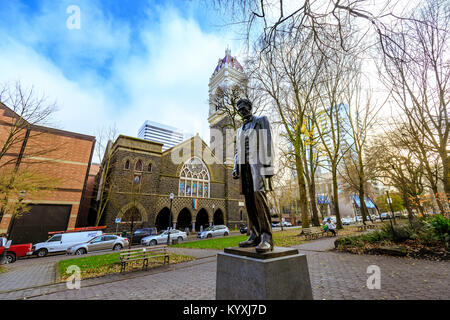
x,y
167,135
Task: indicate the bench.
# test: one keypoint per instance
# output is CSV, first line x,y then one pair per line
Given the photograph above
x,y
314,233
365,227
311,233
143,254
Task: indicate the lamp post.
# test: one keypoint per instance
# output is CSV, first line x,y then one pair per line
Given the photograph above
x,y
171,196
390,205
394,235
213,206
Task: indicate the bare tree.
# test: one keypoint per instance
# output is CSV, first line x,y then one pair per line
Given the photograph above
x,y
22,110
395,164
416,71
337,77
287,77
264,20
105,185
361,113
22,114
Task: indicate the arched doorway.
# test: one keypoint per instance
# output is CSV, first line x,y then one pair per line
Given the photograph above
x,y
202,219
132,215
218,217
162,219
184,219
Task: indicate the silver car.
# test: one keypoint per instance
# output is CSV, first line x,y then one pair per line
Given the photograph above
x,y
162,237
214,231
103,242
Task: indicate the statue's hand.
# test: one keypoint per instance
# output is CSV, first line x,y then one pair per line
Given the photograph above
x,y
235,174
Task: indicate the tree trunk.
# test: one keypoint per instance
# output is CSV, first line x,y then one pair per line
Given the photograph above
x,y
438,199
363,207
291,212
336,197
301,189
411,218
446,174
312,195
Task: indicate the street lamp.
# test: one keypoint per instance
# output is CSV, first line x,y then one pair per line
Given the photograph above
x,y
171,196
213,206
389,200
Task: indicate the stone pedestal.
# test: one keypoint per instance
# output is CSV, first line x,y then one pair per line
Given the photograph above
x,y
243,274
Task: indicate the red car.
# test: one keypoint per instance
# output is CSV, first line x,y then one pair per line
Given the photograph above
x,y
14,251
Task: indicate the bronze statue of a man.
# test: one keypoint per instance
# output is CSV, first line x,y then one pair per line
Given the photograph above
x,y
253,164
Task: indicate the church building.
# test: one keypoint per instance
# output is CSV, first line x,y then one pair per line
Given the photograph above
x,y
138,182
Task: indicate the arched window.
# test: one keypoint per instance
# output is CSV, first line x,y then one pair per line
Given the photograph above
x,y
138,166
194,179
127,165
149,168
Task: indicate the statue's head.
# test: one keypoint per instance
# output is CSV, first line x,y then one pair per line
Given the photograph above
x,y
244,107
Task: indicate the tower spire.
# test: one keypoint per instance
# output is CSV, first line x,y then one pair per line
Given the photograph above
x,y
228,51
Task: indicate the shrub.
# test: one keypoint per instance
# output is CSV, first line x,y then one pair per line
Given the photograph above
x,y
402,232
349,241
441,226
375,236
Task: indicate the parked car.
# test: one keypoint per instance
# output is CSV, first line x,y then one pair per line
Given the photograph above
x,y
275,224
142,233
161,238
14,251
287,224
103,242
243,229
214,231
61,242
385,216
346,221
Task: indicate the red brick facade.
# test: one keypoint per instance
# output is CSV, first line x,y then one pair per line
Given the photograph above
x,y
64,156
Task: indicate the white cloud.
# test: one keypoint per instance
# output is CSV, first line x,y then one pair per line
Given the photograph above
x,y
166,81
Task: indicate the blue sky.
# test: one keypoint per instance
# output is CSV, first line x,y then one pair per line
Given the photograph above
x,y
131,60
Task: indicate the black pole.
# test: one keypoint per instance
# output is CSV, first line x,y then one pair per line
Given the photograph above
x,y
390,205
170,222
390,220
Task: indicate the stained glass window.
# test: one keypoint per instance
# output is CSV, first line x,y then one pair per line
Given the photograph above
x,y
195,176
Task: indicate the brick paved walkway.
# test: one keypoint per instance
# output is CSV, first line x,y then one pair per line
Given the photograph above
x,y
333,276
27,276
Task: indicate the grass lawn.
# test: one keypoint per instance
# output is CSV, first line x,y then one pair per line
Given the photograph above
x,y
281,239
286,238
214,243
94,266
2,269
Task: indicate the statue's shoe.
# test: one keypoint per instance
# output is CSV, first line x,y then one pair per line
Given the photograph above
x,y
252,241
266,244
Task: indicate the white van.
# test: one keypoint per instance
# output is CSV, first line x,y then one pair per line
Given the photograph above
x,y
60,242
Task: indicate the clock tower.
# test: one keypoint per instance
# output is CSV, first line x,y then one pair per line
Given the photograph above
x,y
226,85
